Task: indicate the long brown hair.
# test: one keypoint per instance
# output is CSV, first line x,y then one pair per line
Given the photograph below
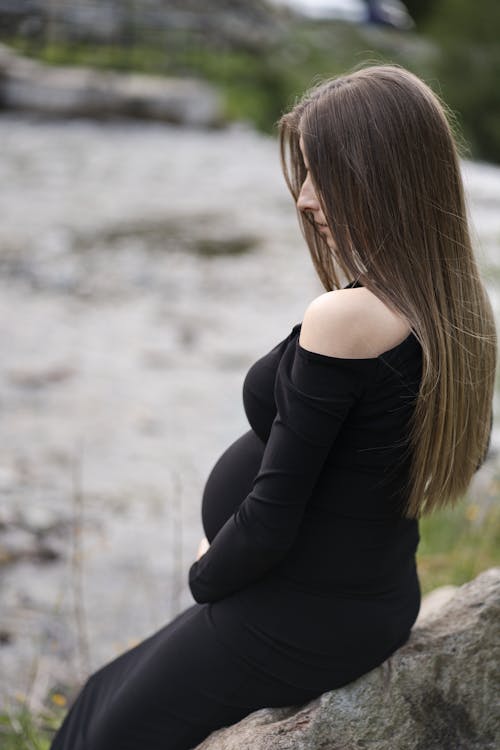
x,y
384,160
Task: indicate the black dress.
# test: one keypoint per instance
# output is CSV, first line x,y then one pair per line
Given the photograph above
x,y
310,580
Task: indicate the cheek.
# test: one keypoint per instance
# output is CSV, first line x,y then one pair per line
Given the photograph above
x,y
328,237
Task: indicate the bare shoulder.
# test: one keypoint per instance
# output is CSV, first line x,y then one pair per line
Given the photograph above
x,y
351,323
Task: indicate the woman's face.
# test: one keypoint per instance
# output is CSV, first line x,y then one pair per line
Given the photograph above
x,y
308,202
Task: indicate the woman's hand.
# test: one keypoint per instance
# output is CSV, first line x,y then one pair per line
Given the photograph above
x,y
202,547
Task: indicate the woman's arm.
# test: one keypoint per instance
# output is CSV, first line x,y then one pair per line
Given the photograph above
x,y
313,393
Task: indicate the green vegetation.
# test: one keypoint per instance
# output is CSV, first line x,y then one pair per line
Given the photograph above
x,y
457,544
468,69
20,730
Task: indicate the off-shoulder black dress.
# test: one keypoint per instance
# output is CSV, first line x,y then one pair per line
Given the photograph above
x,y
310,579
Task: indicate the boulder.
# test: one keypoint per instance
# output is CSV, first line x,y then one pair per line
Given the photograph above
x,y
440,691
248,24
84,92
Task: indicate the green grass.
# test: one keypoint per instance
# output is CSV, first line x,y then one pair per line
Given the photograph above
x,y
21,730
457,544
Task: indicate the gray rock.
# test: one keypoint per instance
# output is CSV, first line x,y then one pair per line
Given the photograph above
x,y
78,91
251,25
440,691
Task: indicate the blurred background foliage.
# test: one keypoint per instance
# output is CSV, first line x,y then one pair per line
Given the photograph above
x,y
468,68
263,56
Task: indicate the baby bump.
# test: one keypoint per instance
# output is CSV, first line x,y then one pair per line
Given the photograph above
x,y
230,481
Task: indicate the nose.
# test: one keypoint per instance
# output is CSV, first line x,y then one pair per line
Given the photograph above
x,y
307,200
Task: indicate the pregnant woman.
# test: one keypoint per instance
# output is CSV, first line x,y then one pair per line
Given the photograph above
x,y
374,410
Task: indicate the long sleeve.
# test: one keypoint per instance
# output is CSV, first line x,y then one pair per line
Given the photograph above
x,y
313,394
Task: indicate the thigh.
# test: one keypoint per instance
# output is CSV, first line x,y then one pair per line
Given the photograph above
x,y
174,689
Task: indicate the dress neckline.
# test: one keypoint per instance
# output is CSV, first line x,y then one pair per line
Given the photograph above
x,y
327,357
316,356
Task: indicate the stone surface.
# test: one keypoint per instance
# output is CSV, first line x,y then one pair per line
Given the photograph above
x,y
440,691
253,25
78,91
